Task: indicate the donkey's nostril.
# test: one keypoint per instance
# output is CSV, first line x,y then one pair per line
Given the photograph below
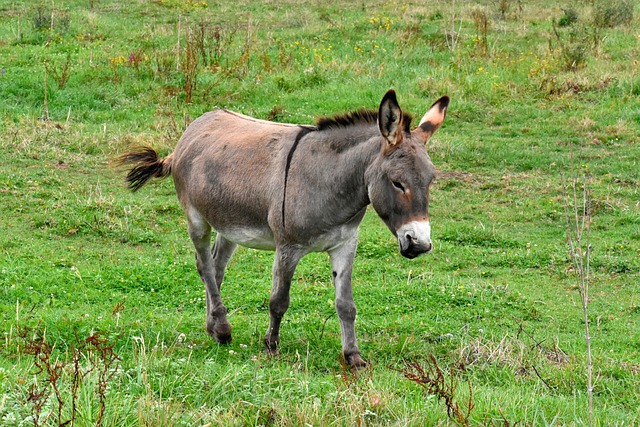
x,y
409,237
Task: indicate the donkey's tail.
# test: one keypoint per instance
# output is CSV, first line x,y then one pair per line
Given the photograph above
x,y
147,166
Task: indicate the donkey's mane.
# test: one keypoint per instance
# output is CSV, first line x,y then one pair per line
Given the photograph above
x,y
359,117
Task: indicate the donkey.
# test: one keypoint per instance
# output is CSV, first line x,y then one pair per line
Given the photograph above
x,y
297,189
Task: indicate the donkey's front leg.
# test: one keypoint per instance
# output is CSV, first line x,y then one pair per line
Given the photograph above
x,y
342,264
284,265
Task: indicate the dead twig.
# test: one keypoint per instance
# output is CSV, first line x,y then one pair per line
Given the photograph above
x,y
578,217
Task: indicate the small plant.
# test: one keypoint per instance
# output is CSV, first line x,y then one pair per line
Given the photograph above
x,y
481,23
507,6
60,72
185,6
435,16
381,23
136,58
189,65
612,13
241,65
444,387
49,20
276,113
63,379
45,116
115,63
574,45
575,56
163,64
503,7
213,43
568,18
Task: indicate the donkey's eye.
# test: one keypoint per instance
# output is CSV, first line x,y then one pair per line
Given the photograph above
x,y
398,185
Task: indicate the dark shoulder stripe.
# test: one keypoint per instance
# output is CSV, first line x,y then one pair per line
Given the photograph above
x,y
304,130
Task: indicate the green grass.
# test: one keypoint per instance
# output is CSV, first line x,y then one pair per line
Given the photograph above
x,y
497,299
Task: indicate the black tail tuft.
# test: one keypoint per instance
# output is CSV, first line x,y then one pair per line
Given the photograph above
x,y
147,166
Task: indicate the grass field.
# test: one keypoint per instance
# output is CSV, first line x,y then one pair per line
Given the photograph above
x,y
102,307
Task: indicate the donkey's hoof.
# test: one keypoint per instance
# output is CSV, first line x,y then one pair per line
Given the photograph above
x,y
271,351
354,360
221,332
271,348
223,339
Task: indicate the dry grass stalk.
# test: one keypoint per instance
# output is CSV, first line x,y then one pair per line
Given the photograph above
x,y
453,36
578,216
444,387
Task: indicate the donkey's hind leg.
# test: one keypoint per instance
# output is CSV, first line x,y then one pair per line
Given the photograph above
x,y
200,232
222,252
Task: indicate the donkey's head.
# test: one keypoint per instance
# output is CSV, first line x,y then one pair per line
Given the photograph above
x,y
398,180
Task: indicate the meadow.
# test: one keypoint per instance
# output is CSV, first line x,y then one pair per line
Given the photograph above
x,y
102,309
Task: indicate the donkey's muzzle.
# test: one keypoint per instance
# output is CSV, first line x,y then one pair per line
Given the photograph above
x,y
414,239
413,250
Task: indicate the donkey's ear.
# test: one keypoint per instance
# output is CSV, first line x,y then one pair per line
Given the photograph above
x,y
390,118
433,118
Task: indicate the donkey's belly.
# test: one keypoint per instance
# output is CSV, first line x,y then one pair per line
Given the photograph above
x,y
255,238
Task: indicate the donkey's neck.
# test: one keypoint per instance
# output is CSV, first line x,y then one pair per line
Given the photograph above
x,y
349,152
333,162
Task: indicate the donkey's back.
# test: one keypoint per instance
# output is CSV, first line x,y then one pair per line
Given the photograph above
x,y
228,170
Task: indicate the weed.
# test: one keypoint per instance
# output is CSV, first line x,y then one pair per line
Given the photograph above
x,y
577,41
189,65
240,65
506,7
430,376
445,387
481,23
576,85
578,217
60,72
46,96
383,23
214,44
48,20
136,58
568,18
355,394
185,6
503,7
163,65
574,45
63,379
612,13
115,64
277,113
